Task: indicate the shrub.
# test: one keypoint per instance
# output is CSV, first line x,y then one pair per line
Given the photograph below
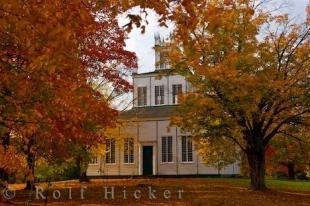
x,y
301,176
279,175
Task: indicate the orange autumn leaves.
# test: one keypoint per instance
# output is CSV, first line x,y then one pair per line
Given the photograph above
x,y
52,55
250,71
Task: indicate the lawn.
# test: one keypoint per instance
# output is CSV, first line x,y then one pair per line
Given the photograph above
x,y
271,183
169,191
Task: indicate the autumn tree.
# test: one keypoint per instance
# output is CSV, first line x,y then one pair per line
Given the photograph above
x,y
292,153
52,54
217,153
12,162
250,71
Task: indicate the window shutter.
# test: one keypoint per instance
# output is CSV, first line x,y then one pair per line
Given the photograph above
x,y
169,149
189,150
112,150
144,96
162,94
131,150
163,149
184,159
156,95
126,149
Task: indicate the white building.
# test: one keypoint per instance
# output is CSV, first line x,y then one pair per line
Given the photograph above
x,y
152,146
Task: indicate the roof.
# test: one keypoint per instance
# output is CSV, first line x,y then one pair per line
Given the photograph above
x,y
159,72
149,112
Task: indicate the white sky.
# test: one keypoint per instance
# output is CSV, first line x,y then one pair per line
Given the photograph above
x,y
142,44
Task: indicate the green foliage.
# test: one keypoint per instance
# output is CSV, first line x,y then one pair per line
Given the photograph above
x,y
46,171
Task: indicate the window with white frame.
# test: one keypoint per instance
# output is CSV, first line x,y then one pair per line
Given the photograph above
x,y
129,150
110,151
166,149
163,60
159,94
93,161
142,96
176,91
187,149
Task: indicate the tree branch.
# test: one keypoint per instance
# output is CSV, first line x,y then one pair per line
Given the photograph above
x,y
276,129
293,136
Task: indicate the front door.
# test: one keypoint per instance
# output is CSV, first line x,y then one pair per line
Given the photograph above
x,y
147,160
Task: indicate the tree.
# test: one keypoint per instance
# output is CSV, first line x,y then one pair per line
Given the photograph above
x,y
291,153
250,70
11,162
52,56
219,153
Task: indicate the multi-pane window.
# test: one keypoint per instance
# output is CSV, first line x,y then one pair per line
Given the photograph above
x,y
176,91
166,149
110,151
187,149
93,161
128,150
162,60
159,95
142,98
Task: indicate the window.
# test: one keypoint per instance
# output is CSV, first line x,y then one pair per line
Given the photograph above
x,y
110,151
187,149
166,149
162,58
159,94
129,150
189,87
93,161
176,91
142,100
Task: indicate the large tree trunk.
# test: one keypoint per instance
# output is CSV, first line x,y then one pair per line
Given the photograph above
x,y
82,172
83,177
257,169
291,170
31,165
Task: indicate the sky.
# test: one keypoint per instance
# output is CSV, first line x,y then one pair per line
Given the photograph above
x,y
142,44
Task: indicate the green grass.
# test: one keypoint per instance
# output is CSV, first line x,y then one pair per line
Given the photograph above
x,y
298,185
289,185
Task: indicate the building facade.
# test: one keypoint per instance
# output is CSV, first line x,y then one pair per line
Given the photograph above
x,y
150,145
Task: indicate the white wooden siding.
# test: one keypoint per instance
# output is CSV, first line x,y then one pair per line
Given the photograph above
x,y
150,133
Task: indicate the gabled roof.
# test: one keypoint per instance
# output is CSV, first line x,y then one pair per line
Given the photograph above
x,y
149,112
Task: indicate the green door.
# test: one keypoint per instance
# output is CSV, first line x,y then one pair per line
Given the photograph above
x,y
147,160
